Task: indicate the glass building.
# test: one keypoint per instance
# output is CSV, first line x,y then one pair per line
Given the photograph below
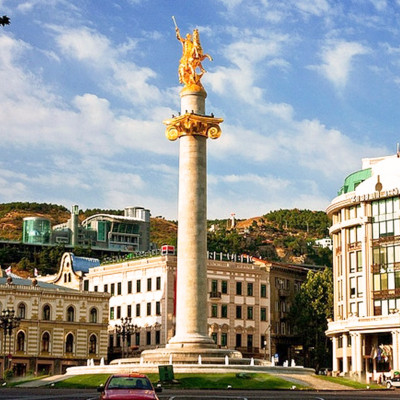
x,y
36,230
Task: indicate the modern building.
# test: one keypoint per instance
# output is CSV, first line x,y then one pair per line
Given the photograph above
x,y
59,326
365,330
119,233
36,230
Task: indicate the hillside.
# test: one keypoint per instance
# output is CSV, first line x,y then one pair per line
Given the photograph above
x,y
283,235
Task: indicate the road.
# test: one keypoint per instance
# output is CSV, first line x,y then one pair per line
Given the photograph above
x,y
71,394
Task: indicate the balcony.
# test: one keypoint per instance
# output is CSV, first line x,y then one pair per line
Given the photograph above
x,y
215,295
283,292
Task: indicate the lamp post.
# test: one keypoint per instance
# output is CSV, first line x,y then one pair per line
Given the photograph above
x,y
124,330
8,322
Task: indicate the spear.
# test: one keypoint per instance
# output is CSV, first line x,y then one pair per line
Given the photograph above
x,y
173,19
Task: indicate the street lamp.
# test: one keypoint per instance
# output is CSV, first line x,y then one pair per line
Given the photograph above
x,y
124,330
8,322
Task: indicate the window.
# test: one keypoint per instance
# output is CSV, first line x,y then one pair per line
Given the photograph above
x,y
238,340
158,283
224,311
111,312
93,315
46,312
214,286
214,337
129,311
214,310
137,338
138,310
21,311
158,337
46,342
224,287
119,288
158,308
96,288
129,287
70,314
148,338
86,285
69,343
113,288
239,288
249,289
263,314
263,290
149,284
249,312
21,341
224,339
148,308
105,288
92,344
238,312
138,289
118,312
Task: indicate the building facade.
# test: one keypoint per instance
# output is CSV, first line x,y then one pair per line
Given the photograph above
x,y
365,330
59,327
244,311
122,233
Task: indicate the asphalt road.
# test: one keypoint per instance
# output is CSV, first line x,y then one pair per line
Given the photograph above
x,y
70,394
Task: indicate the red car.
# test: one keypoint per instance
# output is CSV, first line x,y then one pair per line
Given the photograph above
x,y
128,387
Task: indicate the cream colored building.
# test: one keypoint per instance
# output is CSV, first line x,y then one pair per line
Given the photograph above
x,y
59,326
365,230
240,303
145,290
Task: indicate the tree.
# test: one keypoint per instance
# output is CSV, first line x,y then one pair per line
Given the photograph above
x,y
312,306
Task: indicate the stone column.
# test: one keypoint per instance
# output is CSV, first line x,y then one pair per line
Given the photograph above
x,y
191,305
334,352
192,128
353,353
345,356
395,350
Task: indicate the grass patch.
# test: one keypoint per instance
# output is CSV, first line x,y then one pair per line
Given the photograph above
x,y
348,382
191,381
89,381
236,381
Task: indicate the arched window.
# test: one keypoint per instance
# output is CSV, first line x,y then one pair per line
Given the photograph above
x,y
93,315
46,342
46,312
21,341
70,314
69,343
21,310
92,344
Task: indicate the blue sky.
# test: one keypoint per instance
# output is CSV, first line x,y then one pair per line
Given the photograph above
x,y
306,89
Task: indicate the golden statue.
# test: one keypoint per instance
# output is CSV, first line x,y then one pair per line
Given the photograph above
x,y
191,60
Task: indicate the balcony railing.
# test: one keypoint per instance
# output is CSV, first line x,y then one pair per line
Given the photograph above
x,y
215,295
283,292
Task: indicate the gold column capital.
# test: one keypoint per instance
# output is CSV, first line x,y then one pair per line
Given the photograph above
x,y
191,124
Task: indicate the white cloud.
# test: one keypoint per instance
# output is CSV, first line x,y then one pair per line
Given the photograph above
x,y
337,57
313,7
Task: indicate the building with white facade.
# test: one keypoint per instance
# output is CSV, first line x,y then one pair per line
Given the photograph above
x,y
365,231
244,311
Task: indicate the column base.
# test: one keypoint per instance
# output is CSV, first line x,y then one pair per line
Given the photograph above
x,y
189,355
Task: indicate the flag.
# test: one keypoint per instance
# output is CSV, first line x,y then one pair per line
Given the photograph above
x,y
35,272
8,271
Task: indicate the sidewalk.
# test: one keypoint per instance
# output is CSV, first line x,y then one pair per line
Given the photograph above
x,y
314,383
43,382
